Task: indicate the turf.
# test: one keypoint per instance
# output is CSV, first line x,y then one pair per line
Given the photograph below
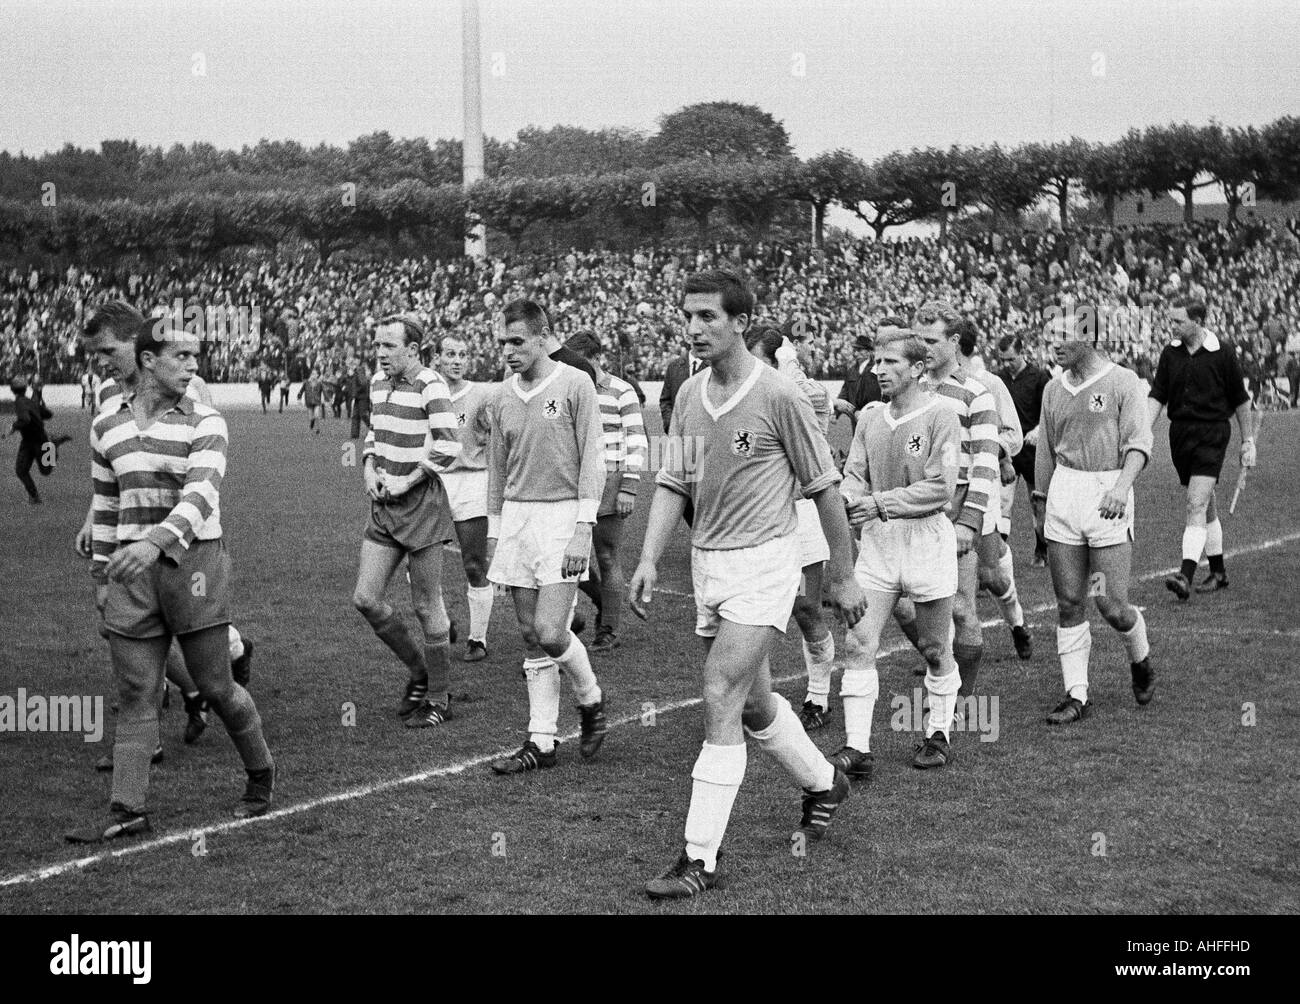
x,y
1193,809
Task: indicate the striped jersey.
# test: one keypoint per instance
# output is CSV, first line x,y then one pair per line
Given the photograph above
x,y
547,444
909,463
813,390
160,484
978,415
625,442
473,424
1010,435
109,396
411,419
1091,426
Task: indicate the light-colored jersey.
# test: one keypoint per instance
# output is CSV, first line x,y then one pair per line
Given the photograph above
x,y
625,442
109,395
473,425
746,462
410,420
1010,435
1092,425
907,464
978,415
161,484
547,444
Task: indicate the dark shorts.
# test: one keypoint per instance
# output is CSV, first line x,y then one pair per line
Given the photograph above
x,y
1198,448
414,521
173,598
609,500
1024,462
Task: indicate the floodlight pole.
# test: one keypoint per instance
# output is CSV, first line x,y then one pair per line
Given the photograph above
x,y
472,144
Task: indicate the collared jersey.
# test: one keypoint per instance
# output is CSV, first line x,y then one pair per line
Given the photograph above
x,y
978,416
1091,426
1010,436
547,443
624,431
109,397
745,462
1204,386
410,419
473,424
160,484
908,464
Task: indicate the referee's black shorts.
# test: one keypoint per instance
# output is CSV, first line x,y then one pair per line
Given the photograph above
x,y
1198,448
1024,462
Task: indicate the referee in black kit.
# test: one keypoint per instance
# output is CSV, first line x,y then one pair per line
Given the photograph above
x,y
1026,383
1200,381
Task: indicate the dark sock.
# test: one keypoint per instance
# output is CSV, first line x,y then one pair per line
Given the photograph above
x,y
968,659
912,634
1216,564
1188,569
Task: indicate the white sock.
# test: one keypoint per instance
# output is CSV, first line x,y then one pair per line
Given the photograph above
x,y
1194,542
1213,538
543,678
859,688
480,610
1135,639
1012,612
943,700
788,744
236,642
577,667
819,658
1073,645
717,776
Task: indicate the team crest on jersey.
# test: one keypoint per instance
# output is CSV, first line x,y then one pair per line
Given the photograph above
x,y
1097,402
552,407
460,418
742,443
914,445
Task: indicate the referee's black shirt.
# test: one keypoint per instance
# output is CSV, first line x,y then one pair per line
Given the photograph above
x,y
1204,387
1026,389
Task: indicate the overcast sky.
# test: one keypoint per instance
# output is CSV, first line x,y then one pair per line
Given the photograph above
x,y
877,75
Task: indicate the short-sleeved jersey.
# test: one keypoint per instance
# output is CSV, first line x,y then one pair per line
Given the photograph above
x,y
547,443
1204,386
473,424
109,396
410,420
1093,425
745,462
908,464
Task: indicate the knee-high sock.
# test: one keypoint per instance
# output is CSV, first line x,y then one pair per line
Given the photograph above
x,y
543,678
943,699
612,587
1009,601
244,725
236,641
1073,645
718,773
859,688
1214,546
1135,640
133,746
437,665
577,667
480,610
969,658
819,657
788,744
1193,545
392,631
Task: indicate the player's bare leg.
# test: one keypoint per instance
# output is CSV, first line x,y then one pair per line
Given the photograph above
x,y
425,570
997,575
607,585
1196,532
1108,583
374,571
471,534
968,637
207,654
818,647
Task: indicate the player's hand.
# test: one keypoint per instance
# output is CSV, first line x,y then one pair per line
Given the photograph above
x,y
129,562
965,539
101,596
1008,471
578,553
860,511
625,503
373,486
83,541
1031,437
847,599
640,590
1112,505
1248,457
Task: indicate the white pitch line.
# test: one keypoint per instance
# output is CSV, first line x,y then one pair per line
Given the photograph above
x,y
362,791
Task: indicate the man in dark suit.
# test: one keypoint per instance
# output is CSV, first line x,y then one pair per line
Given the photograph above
x,y
35,446
679,371
860,385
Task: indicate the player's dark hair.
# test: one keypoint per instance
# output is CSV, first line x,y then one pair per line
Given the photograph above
x,y
530,312
1194,306
767,338
413,332
116,317
892,321
737,297
1011,342
586,344
153,337
968,337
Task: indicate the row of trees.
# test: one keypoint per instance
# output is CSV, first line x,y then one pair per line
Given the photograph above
x,y
621,183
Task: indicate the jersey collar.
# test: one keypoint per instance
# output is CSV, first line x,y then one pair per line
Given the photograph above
x,y
528,395
735,399
894,423
1072,389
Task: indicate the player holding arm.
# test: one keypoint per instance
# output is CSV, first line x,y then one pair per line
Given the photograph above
x,y
1095,440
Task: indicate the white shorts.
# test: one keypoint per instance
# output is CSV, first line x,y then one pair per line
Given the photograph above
x,y
1008,503
1072,513
914,557
466,494
746,585
530,550
813,549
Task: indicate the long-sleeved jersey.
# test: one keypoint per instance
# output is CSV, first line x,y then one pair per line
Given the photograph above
x,y
410,419
907,464
162,484
1011,436
625,442
473,425
978,416
1093,425
547,444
